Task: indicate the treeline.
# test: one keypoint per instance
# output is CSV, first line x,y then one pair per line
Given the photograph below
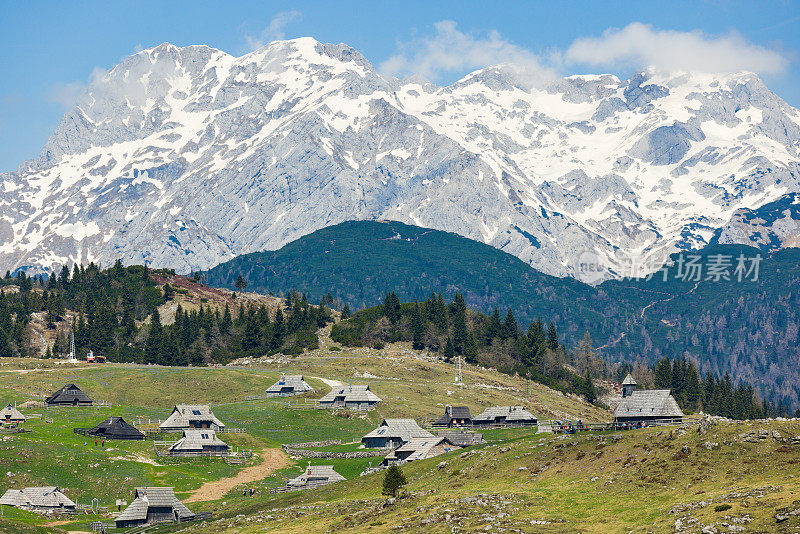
x,y
706,393
115,315
452,330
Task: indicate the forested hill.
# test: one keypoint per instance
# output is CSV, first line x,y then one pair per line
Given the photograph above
x,y
746,328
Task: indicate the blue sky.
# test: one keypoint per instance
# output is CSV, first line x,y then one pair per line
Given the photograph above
x,y
48,50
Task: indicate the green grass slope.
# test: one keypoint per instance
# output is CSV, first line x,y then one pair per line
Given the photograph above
x,y
748,329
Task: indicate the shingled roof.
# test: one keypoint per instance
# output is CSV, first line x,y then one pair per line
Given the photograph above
x,y
116,428
145,497
316,474
69,394
508,414
629,381
184,414
198,440
454,413
36,497
290,383
12,415
650,403
401,429
350,394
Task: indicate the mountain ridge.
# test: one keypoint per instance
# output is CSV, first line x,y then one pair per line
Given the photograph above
x,y
216,156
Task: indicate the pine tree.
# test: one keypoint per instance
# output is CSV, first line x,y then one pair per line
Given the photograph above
x,y
241,283
552,337
449,351
393,480
345,312
589,391
5,347
509,326
152,347
225,324
494,328
471,350
458,316
417,328
391,307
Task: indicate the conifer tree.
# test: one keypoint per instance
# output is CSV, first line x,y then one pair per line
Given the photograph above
x,y
417,328
449,350
471,350
5,347
509,326
346,312
391,307
154,339
495,327
393,480
552,337
589,391
225,324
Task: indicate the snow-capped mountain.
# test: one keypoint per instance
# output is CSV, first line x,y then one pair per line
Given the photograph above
x,y
186,157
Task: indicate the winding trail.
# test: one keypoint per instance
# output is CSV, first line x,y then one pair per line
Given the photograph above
x,y
271,461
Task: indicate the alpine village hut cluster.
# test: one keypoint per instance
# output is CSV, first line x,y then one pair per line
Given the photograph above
x,y
403,439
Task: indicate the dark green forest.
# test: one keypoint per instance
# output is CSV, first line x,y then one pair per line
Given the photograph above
x,y
113,304
497,341
747,329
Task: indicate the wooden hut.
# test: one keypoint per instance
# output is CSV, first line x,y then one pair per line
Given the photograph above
x,y
648,406
505,416
393,433
185,416
354,397
289,385
38,499
152,505
116,428
463,438
196,442
420,449
11,416
315,475
69,395
454,416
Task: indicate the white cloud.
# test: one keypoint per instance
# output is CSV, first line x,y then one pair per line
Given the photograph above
x,y
450,50
273,31
66,94
640,45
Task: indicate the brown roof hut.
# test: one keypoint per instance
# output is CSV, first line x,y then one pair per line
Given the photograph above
x,y
454,416
116,428
69,395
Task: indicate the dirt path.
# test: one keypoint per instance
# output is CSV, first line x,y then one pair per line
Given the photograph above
x,y
272,460
330,383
